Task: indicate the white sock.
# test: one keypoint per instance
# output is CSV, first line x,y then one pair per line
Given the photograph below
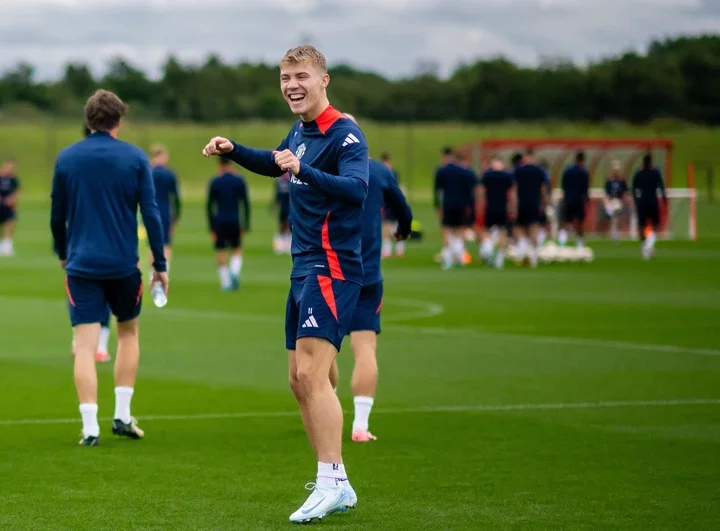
x,y
89,412
500,259
387,246
542,236
447,257
400,248
580,243
363,406
651,240
330,475
123,395
533,252
224,274
562,237
522,248
457,245
486,248
235,265
104,337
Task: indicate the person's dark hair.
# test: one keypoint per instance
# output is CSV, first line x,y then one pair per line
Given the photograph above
x,y
516,158
647,160
224,162
580,157
104,110
385,156
447,151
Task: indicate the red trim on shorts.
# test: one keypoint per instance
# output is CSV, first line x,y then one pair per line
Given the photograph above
x,y
380,305
327,293
139,294
67,290
328,117
332,258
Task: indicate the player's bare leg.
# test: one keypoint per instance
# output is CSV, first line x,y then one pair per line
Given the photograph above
x,y
502,249
236,261
533,244
314,358
300,397
364,382
521,240
85,374
334,375
223,270
579,232
126,367
563,234
310,365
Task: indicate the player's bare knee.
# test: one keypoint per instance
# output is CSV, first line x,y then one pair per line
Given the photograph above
x,y
128,329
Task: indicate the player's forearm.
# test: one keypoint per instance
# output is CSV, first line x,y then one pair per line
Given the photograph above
x,y
260,161
347,188
153,225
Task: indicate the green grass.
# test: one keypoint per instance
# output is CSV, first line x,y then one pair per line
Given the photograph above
x,y
416,149
474,341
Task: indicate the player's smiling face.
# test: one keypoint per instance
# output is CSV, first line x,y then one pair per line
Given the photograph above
x,y
303,87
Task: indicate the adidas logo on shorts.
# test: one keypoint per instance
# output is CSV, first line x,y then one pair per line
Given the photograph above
x,y
310,322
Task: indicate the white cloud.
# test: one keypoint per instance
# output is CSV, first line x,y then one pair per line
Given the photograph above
x,y
389,36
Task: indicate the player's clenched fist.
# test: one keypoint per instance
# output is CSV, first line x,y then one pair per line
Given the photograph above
x,y
287,161
218,146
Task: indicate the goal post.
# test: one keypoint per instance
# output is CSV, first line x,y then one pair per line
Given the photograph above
x,y
677,221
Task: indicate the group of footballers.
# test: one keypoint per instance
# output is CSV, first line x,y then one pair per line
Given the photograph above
x,y
338,202
516,203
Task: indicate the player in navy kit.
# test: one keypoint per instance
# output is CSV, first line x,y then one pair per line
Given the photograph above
x,y
383,194
497,193
576,193
98,185
167,193
646,184
531,198
283,237
9,190
455,196
227,193
327,157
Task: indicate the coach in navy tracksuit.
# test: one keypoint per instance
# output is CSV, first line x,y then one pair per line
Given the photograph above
x,y
98,185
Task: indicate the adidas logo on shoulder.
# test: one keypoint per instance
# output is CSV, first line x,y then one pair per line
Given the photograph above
x,y
351,139
310,322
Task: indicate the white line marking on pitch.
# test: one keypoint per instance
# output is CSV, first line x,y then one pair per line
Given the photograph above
x,y
456,332
430,409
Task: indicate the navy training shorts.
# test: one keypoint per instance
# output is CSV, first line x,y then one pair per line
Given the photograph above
x,y
319,306
366,316
90,298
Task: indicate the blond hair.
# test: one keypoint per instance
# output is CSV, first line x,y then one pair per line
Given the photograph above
x,y
303,53
157,150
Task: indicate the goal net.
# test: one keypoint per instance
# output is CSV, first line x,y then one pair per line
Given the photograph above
x,y
677,220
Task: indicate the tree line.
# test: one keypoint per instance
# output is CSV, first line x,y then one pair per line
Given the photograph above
x,y
674,78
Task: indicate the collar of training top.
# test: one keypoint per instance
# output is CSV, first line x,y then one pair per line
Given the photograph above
x,y
326,119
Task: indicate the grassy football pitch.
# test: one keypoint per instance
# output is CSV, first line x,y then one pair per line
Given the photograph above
x,y
575,396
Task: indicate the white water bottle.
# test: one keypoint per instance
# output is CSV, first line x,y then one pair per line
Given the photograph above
x,y
158,295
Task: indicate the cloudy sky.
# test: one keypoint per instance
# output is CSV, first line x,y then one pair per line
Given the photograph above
x,y
389,36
